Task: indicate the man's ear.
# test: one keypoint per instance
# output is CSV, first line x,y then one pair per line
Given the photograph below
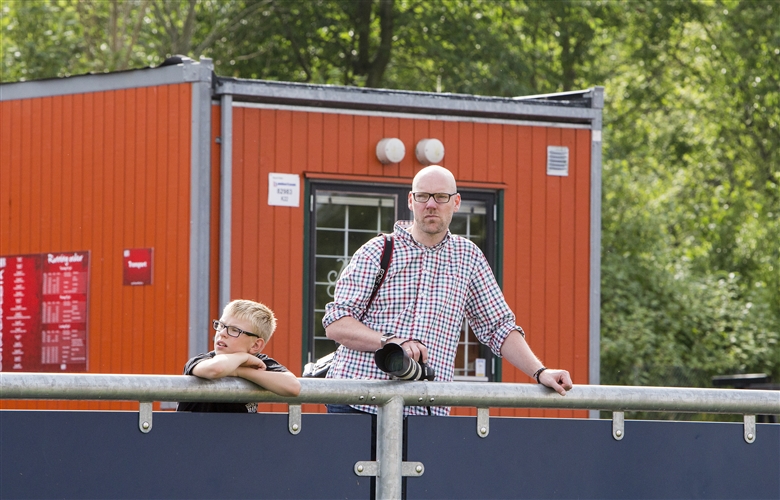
x,y
409,200
257,346
457,202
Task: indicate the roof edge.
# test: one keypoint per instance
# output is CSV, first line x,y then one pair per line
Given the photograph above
x,y
581,106
187,70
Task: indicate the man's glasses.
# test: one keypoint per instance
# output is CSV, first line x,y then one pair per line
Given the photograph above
x,y
437,197
233,331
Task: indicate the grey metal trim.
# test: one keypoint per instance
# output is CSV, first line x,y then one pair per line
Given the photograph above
x,y
594,326
415,116
327,96
188,71
111,387
200,209
225,198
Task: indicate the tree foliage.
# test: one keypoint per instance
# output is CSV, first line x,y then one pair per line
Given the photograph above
x,y
691,208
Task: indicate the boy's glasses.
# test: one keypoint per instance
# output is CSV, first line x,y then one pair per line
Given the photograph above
x,y
437,197
233,331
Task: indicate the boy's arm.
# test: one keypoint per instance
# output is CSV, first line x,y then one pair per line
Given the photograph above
x,y
282,383
251,368
221,365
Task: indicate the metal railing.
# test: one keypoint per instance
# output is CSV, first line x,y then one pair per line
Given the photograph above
x,y
390,398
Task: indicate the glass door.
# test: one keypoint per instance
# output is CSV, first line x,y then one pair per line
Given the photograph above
x,y
344,217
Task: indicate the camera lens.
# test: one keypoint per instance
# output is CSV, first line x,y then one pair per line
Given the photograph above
x,y
393,360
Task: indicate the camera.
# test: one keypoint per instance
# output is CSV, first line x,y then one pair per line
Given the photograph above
x,y
393,360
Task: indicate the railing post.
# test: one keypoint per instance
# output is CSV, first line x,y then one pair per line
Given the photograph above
x,y
389,448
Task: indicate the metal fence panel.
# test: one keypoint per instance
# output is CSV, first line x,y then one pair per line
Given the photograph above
x,y
71,454
557,458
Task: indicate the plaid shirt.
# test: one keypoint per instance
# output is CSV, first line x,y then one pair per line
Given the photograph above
x,y
426,295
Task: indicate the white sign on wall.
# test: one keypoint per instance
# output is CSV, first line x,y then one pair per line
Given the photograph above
x,y
284,190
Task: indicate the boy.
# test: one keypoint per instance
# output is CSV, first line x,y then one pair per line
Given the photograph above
x,y
241,333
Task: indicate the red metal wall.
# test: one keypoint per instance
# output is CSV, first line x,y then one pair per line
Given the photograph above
x,y
546,252
102,172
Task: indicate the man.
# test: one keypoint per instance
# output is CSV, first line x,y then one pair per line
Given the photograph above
x,y
435,280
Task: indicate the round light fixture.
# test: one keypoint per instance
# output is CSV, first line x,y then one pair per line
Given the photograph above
x,y
429,151
390,150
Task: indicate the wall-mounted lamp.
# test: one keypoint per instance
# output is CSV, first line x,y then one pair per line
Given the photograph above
x,y
390,150
429,151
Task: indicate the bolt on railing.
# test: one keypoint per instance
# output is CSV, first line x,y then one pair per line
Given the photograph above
x,y
390,397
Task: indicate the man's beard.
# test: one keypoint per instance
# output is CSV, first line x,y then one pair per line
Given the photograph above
x,y
435,226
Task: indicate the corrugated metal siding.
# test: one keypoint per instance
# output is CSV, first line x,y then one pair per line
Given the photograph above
x,y
546,219
101,172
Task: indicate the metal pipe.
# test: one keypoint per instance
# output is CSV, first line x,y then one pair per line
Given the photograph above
x,y
225,199
389,448
108,387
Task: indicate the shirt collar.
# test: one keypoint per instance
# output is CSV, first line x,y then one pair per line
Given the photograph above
x,y
402,230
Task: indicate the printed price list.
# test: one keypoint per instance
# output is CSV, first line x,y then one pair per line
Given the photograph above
x,y
43,326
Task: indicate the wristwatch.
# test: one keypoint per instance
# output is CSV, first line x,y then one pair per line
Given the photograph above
x,y
386,337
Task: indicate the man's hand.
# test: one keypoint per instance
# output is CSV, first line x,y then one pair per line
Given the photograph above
x,y
558,380
414,349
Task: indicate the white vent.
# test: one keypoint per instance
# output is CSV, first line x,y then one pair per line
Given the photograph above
x,y
558,161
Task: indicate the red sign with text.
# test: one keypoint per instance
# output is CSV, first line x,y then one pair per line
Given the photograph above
x,y
138,266
43,312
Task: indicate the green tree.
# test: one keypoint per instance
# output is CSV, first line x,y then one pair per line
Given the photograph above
x,y
690,264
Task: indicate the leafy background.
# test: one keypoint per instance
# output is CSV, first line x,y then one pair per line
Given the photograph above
x,y
691,165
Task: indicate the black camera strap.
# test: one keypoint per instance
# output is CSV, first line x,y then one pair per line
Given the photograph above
x,y
384,265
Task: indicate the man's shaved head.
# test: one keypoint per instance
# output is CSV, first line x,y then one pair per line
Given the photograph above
x,y
438,172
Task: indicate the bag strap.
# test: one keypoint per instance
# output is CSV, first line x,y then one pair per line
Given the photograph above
x,y
384,265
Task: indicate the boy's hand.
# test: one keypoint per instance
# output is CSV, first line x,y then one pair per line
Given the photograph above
x,y
253,362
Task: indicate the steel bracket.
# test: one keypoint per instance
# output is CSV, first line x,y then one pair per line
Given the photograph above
x,y
372,469
750,428
145,416
618,425
294,419
483,422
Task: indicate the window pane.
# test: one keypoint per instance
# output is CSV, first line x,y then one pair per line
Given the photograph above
x,y
458,225
323,293
357,239
330,242
361,217
478,230
329,269
323,347
388,219
329,215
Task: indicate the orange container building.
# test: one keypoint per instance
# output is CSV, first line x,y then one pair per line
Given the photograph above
x,y
134,205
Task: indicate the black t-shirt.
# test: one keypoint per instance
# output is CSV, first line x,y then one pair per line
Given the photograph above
x,y
271,365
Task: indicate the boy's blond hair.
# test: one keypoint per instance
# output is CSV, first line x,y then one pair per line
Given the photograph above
x,y
261,317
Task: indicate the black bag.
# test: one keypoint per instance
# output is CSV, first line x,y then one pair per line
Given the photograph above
x,y
320,367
